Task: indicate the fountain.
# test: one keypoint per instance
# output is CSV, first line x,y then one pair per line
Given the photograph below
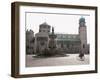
x,y
52,43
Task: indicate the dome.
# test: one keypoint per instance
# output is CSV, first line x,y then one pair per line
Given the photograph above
x,y
44,24
82,19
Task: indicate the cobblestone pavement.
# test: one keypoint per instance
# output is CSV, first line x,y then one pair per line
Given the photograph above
x,y
71,59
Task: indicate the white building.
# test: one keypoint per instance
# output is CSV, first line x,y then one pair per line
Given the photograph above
x,y
42,37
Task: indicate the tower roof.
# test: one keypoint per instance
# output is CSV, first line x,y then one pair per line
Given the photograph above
x,y
82,19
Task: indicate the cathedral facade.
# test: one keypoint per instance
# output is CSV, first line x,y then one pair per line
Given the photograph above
x,y
68,43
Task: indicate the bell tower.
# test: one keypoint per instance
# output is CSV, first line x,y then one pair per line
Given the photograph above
x,y
83,33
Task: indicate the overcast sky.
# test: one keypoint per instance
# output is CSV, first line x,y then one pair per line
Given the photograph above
x,y
68,24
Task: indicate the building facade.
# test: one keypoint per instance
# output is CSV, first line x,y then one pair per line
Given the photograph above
x,y
67,43
42,38
29,42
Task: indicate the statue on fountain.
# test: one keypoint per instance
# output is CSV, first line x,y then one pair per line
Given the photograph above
x,y
52,42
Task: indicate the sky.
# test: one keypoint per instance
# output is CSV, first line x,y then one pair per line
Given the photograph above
x,y
62,23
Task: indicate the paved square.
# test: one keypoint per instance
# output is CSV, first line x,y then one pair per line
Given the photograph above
x,y
71,59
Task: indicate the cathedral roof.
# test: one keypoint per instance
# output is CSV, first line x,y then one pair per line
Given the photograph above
x,y
68,37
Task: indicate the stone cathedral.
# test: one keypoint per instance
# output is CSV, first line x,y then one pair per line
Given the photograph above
x,y
67,43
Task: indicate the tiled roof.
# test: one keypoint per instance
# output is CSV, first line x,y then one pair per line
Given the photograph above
x,y
68,37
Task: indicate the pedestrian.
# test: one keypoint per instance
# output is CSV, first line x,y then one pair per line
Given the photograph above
x,y
82,52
